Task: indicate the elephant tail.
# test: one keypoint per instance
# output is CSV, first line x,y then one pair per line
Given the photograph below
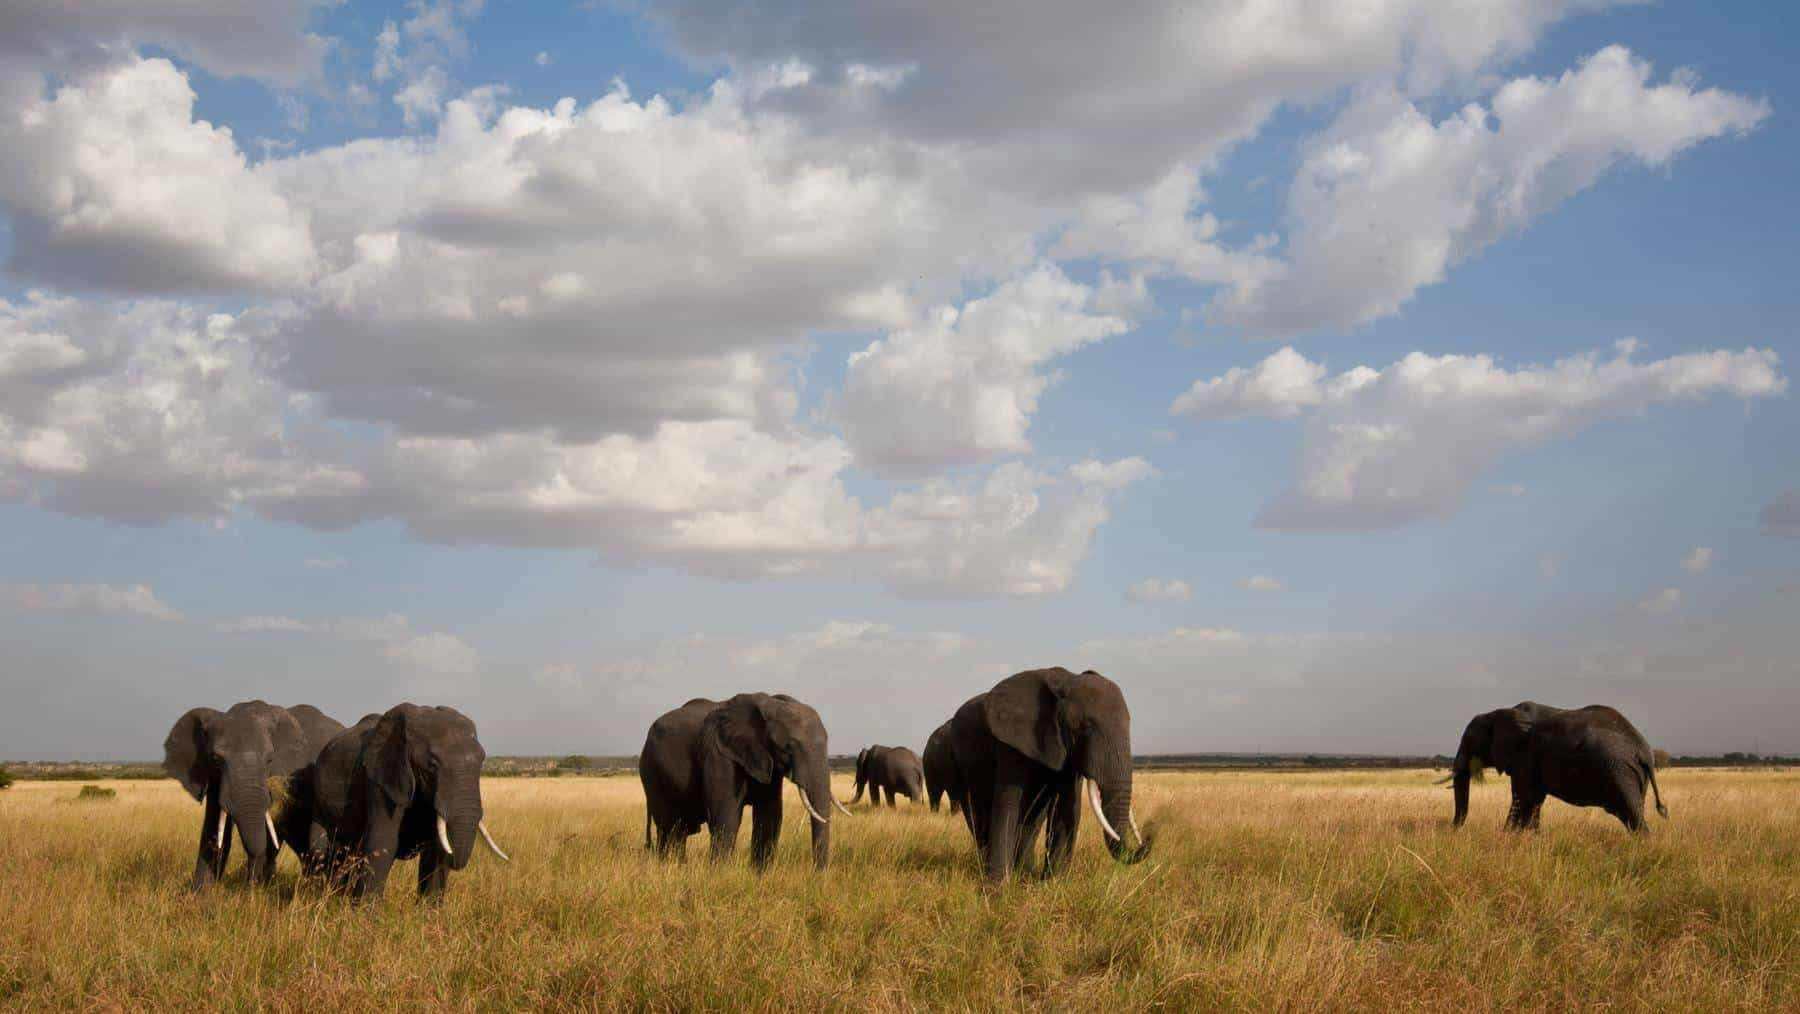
x,y
1661,810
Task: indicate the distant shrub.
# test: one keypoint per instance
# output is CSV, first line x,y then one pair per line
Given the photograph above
x,y
96,792
575,762
1660,758
5,778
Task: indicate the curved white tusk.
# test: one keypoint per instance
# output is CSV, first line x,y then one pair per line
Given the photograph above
x,y
840,806
1100,815
808,804
482,827
274,839
444,836
224,829
1135,833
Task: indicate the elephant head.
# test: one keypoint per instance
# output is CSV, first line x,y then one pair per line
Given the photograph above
x,y
771,737
1494,739
1059,719
862,772
431,754
234,754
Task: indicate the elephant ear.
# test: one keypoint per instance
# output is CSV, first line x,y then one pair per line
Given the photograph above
x,y
743,734
385,758
1024,712
289,737
1512,734
185,752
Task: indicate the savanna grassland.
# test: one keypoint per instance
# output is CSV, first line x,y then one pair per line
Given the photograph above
x,y
1265,891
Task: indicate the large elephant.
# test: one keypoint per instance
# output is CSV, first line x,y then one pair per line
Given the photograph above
x,y
704,761
940,769
397,785
1022,751
228,759
1587,756
895,770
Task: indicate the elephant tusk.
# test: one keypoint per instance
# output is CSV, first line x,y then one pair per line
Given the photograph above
x,y
1135,833
274,839
444,836
840,806
482,827
224,829
808,804
1099,814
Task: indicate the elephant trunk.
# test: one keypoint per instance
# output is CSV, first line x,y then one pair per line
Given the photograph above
x,y
1461,771
818,786
245,795
458,803
1115,806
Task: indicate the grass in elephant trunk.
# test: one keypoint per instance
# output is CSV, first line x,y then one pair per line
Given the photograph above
x,y
1334,890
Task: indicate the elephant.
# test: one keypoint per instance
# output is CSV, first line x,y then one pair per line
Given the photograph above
x,y
1022,751
705,760
228,759
1586,756
940,769
895,769
401,784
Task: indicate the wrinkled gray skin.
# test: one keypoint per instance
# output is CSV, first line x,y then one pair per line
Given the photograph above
x,y
1586,756
704,761
226,758
380,786
939,763
1022,750
895,770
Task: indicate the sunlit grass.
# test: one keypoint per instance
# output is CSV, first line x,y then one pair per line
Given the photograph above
x,y
1296,891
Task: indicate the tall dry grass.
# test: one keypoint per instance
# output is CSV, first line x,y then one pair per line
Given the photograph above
x,y
1266,891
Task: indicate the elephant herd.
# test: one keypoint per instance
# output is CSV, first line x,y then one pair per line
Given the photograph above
x,y
1020,760
348,801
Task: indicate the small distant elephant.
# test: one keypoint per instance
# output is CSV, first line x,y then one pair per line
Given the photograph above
x,y
397,785
940,769
704,761
228,758
895,770
1587,756
1022,752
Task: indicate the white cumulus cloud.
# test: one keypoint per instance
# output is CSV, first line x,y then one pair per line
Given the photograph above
x,y
1388,446
1153,589
100,599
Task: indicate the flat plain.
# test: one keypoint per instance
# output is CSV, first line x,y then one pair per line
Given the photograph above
x,y
1265,891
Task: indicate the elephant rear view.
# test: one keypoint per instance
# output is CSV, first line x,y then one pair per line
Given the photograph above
x,y
895,770
1588,756
1023,751
397,785
705,761
229,760
939,763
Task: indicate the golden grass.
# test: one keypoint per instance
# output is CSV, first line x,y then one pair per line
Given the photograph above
x,y
1266,891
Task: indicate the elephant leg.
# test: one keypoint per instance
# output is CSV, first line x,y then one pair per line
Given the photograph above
x,y
209,864
1011,775
1031,827
765,827
1527,798
434,874
936,797
722,824
1065,823
890,797
381,844
262,869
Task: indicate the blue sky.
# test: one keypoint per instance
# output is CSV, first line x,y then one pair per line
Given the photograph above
x,y
1322,387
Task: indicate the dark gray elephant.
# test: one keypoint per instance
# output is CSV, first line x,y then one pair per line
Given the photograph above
x,y
228,760
895,770
704,761
397,785
940,769
1023,750
1587,756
